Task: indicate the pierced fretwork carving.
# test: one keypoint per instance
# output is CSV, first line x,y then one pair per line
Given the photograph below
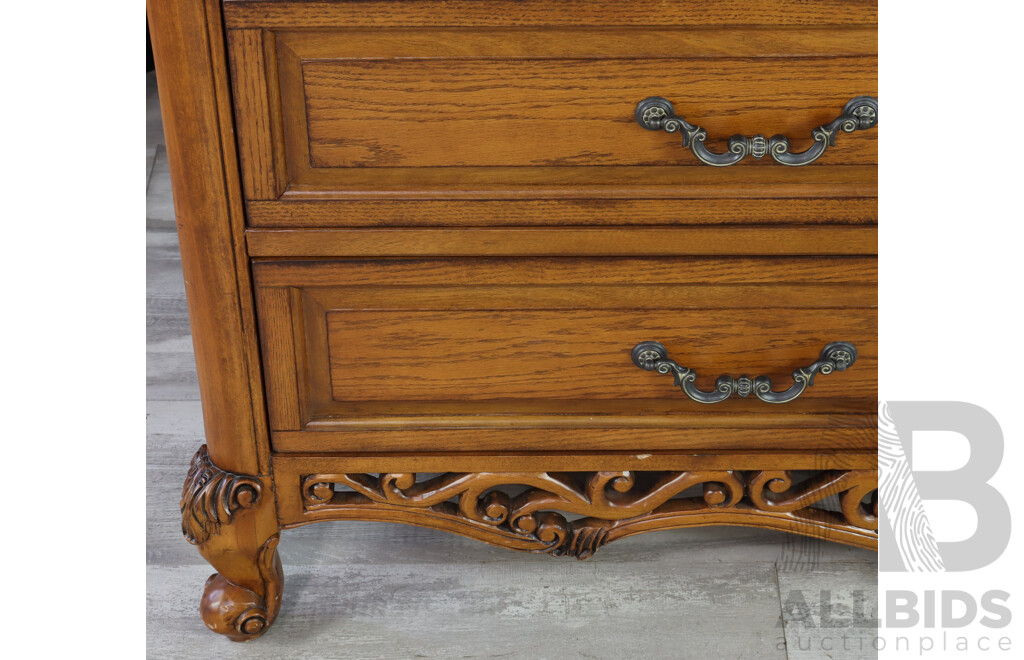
x,y
613,505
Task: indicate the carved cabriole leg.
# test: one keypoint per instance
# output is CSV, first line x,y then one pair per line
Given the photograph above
x,y
233,521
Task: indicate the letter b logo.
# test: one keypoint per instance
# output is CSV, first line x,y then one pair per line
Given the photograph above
x,y
906,539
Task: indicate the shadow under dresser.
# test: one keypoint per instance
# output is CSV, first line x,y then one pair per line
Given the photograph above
x,y
543,273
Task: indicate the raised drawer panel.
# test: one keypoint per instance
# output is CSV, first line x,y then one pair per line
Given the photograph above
x,y
482,355
548,112
395,348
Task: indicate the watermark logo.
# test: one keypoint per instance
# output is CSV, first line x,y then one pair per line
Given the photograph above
x,y
940,620
906,540
828,621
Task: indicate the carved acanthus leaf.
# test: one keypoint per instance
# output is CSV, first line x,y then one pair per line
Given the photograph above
x,y
211,496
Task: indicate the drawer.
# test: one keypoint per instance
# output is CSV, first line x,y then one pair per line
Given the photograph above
x,y
517,354
531,115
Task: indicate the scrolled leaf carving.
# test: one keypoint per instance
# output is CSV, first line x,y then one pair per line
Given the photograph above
x,y
211,496
607,505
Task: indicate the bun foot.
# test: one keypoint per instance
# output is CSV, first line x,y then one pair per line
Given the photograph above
x,y
236,612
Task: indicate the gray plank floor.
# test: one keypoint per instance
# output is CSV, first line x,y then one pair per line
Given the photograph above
x,y
378,590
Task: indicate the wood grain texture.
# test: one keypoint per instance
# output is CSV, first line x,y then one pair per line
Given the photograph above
x,y
309,322
629,414
637,438
614,504
383,13
771,298
512,343
578,241
192,73
295,466
566,270
502,347
565,113
228,510
582,212
358,117
464,355
289,110
259,140
277,336
647,43
606,182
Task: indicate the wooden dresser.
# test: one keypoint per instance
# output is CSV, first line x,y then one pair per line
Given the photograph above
x,y
499,268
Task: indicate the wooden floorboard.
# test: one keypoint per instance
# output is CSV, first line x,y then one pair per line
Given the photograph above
x,y
159,204
829,610
534,609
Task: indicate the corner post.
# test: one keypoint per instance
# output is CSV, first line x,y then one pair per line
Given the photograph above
x,y
228,502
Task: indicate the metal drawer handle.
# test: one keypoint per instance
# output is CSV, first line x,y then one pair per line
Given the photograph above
x,y
657,114
652,356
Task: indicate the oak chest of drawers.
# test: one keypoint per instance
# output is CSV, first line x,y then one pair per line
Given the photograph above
x,y
499,268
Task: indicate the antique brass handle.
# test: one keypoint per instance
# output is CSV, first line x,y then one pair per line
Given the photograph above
x,y
657,114
652,356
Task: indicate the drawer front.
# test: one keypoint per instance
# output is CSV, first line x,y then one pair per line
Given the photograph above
x,y
335,107
405,354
